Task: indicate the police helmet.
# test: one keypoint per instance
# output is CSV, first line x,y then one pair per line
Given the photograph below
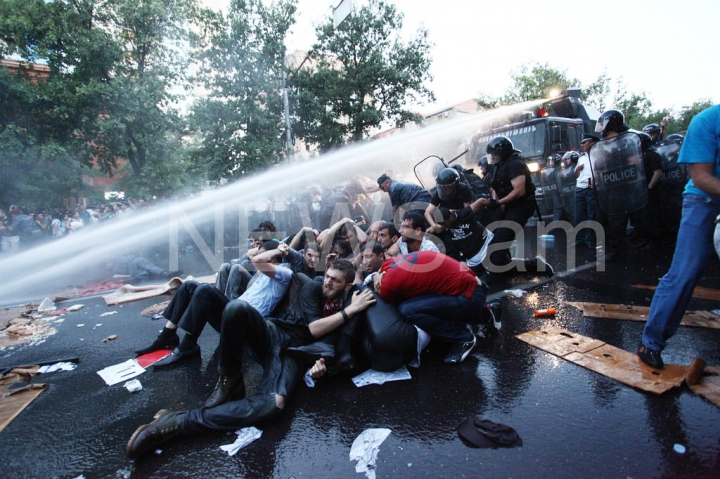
x,y
675,138
611,120
652,129
645,140
570,158
447,182
553,160
500,146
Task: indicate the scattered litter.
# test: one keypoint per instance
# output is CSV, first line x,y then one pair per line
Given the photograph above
x,y
75,307
108,313
59,320
121,372
98,324
80,477
679,448
80,325
246,435
59,312
545,312
156,316
716,311
376,377
158,451
112,337
133,385
365,450
62,366
517,293
46,306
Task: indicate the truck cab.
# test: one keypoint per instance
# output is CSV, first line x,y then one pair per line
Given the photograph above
x,y
538,134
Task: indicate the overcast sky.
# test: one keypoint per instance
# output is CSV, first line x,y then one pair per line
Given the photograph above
x,y
669,49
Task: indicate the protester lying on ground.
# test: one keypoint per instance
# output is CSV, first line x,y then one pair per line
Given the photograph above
x,y
134,269
194,305
432,291
319,310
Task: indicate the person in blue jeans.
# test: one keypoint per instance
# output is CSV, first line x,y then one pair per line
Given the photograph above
x,y
694,248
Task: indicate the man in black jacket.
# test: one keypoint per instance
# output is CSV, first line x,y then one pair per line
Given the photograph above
x,y
513,196
320,310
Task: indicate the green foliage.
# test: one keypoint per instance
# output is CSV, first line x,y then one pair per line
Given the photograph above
x,y
240,123
107,96
359,76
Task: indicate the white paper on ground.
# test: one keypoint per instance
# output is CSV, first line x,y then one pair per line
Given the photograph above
x,y
76,307
365,450
50,368
246,435
108,313
121,372
376,377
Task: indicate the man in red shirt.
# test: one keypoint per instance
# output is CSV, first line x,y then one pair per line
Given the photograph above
x,y
431,291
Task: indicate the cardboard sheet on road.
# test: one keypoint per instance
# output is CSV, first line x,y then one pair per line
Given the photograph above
x,y
709,386
696,319
14,401
698,292
129,293
605,359
154,309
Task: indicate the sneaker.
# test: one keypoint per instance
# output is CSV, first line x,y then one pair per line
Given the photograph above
x,y
650,357
460,351
495,311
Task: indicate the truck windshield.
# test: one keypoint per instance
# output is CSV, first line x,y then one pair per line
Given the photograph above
x,y
530,139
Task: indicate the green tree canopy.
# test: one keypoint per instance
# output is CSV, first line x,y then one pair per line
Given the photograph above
x,y
239,123
358,76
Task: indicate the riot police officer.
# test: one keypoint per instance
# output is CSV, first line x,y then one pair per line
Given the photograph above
x,y
618,178
514,198
461,232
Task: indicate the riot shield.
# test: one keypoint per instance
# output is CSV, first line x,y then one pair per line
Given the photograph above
x,y
549,187
673,173
619,174
565,180
427,170
672,184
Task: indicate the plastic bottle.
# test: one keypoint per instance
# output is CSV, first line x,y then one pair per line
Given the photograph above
x,y
545,312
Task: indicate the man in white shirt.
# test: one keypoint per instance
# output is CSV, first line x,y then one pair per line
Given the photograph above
x,y
584,193
412,236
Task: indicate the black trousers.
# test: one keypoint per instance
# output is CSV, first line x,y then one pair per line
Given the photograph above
x,y
244,329
519,213
195,305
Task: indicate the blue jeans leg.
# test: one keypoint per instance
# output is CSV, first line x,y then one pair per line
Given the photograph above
x,y
693,251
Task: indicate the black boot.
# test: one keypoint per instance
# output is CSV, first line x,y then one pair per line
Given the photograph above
x,y
167,339
166,426
228,387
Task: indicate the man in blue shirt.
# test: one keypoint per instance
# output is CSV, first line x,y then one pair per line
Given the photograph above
x,y
409,196
194,305
694,247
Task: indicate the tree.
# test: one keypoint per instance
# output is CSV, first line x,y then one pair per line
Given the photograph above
x,y
359,76
240,122
106,95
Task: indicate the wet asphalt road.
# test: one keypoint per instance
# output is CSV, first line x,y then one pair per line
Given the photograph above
x,y
573,422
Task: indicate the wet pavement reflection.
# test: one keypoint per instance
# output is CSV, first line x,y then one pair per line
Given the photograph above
x,y
573,422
